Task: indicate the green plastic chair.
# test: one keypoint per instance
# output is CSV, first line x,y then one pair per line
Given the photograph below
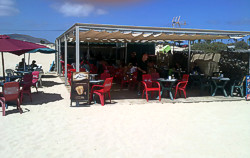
x,y
238,86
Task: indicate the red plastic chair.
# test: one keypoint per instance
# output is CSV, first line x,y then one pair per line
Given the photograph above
x,y
69,68
181,86
118,74
149,86
133,81
93,69
11,92
104,75
155,76
63,67
69,75
185,77
35,79
26,86
105,89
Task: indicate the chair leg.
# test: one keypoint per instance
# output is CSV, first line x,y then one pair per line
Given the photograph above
x,y
159,95
19,106
184,94
147,96
241,92
3,106
109,96
102,98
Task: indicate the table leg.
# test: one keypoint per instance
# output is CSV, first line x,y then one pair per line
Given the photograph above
x,y
223,88
215,89
171,95
224,91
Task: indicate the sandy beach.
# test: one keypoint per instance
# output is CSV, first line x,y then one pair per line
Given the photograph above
x,y
49,127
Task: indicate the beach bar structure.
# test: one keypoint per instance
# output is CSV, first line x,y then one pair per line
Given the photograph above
x,y
101,33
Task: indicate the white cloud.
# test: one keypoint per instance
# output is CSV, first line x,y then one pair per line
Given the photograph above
x,y
7,8
101,12
78,9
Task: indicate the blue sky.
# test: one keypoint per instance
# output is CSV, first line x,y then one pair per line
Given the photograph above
x,y
50,18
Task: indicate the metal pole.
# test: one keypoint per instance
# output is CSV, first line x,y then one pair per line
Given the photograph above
x,y
189,55
116,51
60,53
173,47
3,68
77,53
88,55
126,53
24,63
56,56
65,59
29,60
77,49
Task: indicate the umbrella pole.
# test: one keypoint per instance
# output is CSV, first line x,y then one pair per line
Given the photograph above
x,y
24,63
29,60
3,66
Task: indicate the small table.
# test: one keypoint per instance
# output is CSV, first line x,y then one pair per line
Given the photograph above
x,y
96,81
169,87
23,72
220,83
92,76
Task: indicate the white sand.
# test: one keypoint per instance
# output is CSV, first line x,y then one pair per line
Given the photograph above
x,y
50,128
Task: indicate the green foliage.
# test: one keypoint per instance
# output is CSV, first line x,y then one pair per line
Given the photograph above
x,y
215,47
241,45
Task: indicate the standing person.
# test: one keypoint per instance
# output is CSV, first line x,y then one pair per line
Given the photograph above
x,y
141,69
133,59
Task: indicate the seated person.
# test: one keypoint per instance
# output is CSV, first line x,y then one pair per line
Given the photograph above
x,y
33,65
21,64
84,64
151,68
196,68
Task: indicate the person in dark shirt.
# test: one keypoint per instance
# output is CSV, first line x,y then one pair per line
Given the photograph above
x,y
133,59
21,65
141,69
33,65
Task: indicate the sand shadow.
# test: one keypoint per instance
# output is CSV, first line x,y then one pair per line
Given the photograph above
x,y
41,98
50,83
49,76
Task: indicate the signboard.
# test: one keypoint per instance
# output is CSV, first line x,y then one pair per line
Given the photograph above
x,y
79,86
247,87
